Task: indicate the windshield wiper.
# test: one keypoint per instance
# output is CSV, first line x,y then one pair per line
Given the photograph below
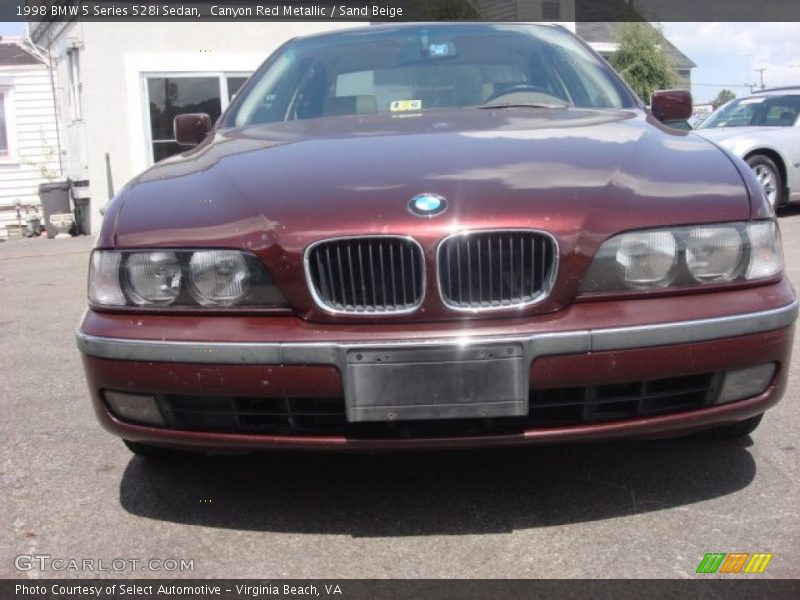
x,y
522,105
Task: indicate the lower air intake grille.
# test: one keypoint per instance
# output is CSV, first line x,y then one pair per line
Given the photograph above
x,y
486,270
366,274
548,408
617,402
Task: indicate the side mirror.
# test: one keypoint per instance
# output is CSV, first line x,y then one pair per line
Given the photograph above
x,y
671,105
191,128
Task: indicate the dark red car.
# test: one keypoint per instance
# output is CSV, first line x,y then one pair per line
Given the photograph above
x,y
436,235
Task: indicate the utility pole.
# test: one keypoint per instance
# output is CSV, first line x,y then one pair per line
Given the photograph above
x,y
761,75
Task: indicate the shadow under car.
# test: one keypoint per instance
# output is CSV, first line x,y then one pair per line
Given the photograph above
x,y
428,493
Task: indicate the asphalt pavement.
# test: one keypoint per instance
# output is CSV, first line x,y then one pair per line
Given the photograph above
x,y
629,509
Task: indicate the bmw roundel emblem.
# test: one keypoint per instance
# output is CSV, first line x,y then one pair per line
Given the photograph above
x,y
427,205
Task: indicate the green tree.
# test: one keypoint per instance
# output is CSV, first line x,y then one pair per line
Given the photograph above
x,y
723,97
641,59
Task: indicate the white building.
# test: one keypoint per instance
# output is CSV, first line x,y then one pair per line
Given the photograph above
x,y
119,86
29,144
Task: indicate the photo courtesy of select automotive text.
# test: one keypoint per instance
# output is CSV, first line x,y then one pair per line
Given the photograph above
x,y
399,299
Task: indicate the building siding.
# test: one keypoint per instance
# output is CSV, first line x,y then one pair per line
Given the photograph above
x,y
35,139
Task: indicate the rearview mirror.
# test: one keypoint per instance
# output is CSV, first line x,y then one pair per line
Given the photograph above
x,y
191,128
671,105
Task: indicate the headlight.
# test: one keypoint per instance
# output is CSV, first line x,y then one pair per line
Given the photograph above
x,y
686,257
647,259
713,253
154,277
218,277
181,279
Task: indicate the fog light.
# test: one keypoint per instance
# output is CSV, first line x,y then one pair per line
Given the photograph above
x,y
138,408
746,383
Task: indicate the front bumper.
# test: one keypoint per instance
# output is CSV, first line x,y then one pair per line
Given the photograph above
x,y
591,345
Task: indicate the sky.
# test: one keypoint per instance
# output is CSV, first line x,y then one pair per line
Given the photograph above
x,y
727,54
12,28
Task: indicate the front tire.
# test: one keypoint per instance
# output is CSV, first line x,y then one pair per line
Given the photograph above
x,y
769,178
733,431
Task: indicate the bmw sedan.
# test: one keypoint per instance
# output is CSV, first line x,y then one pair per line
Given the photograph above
x,y
436,236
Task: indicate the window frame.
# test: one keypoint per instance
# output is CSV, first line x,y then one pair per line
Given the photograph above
x,y
10,157
222,79
74,83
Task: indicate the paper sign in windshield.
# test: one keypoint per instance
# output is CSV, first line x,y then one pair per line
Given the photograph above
x,y
404,105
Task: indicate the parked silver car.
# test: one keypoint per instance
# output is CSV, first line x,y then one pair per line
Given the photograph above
x,y
763,129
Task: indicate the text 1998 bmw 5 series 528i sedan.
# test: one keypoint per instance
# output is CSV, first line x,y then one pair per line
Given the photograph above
x,y
435,236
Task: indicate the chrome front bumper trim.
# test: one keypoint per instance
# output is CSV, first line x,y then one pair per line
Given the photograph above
x,y
533,344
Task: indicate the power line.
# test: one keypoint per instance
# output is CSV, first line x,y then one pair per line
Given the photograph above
x,y
731,56
724,84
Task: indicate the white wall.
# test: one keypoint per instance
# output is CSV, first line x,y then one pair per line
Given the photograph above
x,y
113,59
32,138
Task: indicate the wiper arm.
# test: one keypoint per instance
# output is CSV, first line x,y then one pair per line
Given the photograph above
x,y
521,105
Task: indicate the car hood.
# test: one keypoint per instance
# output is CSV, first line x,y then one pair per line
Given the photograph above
x,y
587,172
579,175
728,134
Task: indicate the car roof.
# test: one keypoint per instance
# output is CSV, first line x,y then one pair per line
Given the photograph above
x,y
778,91
380,27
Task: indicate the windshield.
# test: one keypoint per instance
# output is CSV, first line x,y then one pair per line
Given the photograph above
x,y
413,69
757,111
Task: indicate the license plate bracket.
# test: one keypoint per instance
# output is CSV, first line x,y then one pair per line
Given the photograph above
x,y
438,382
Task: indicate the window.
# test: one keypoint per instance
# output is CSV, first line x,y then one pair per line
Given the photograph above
x,y
374,91
172,96
234,84
74,66
175,94
457,67
783,113
757,111
7,125
3,127
551,10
